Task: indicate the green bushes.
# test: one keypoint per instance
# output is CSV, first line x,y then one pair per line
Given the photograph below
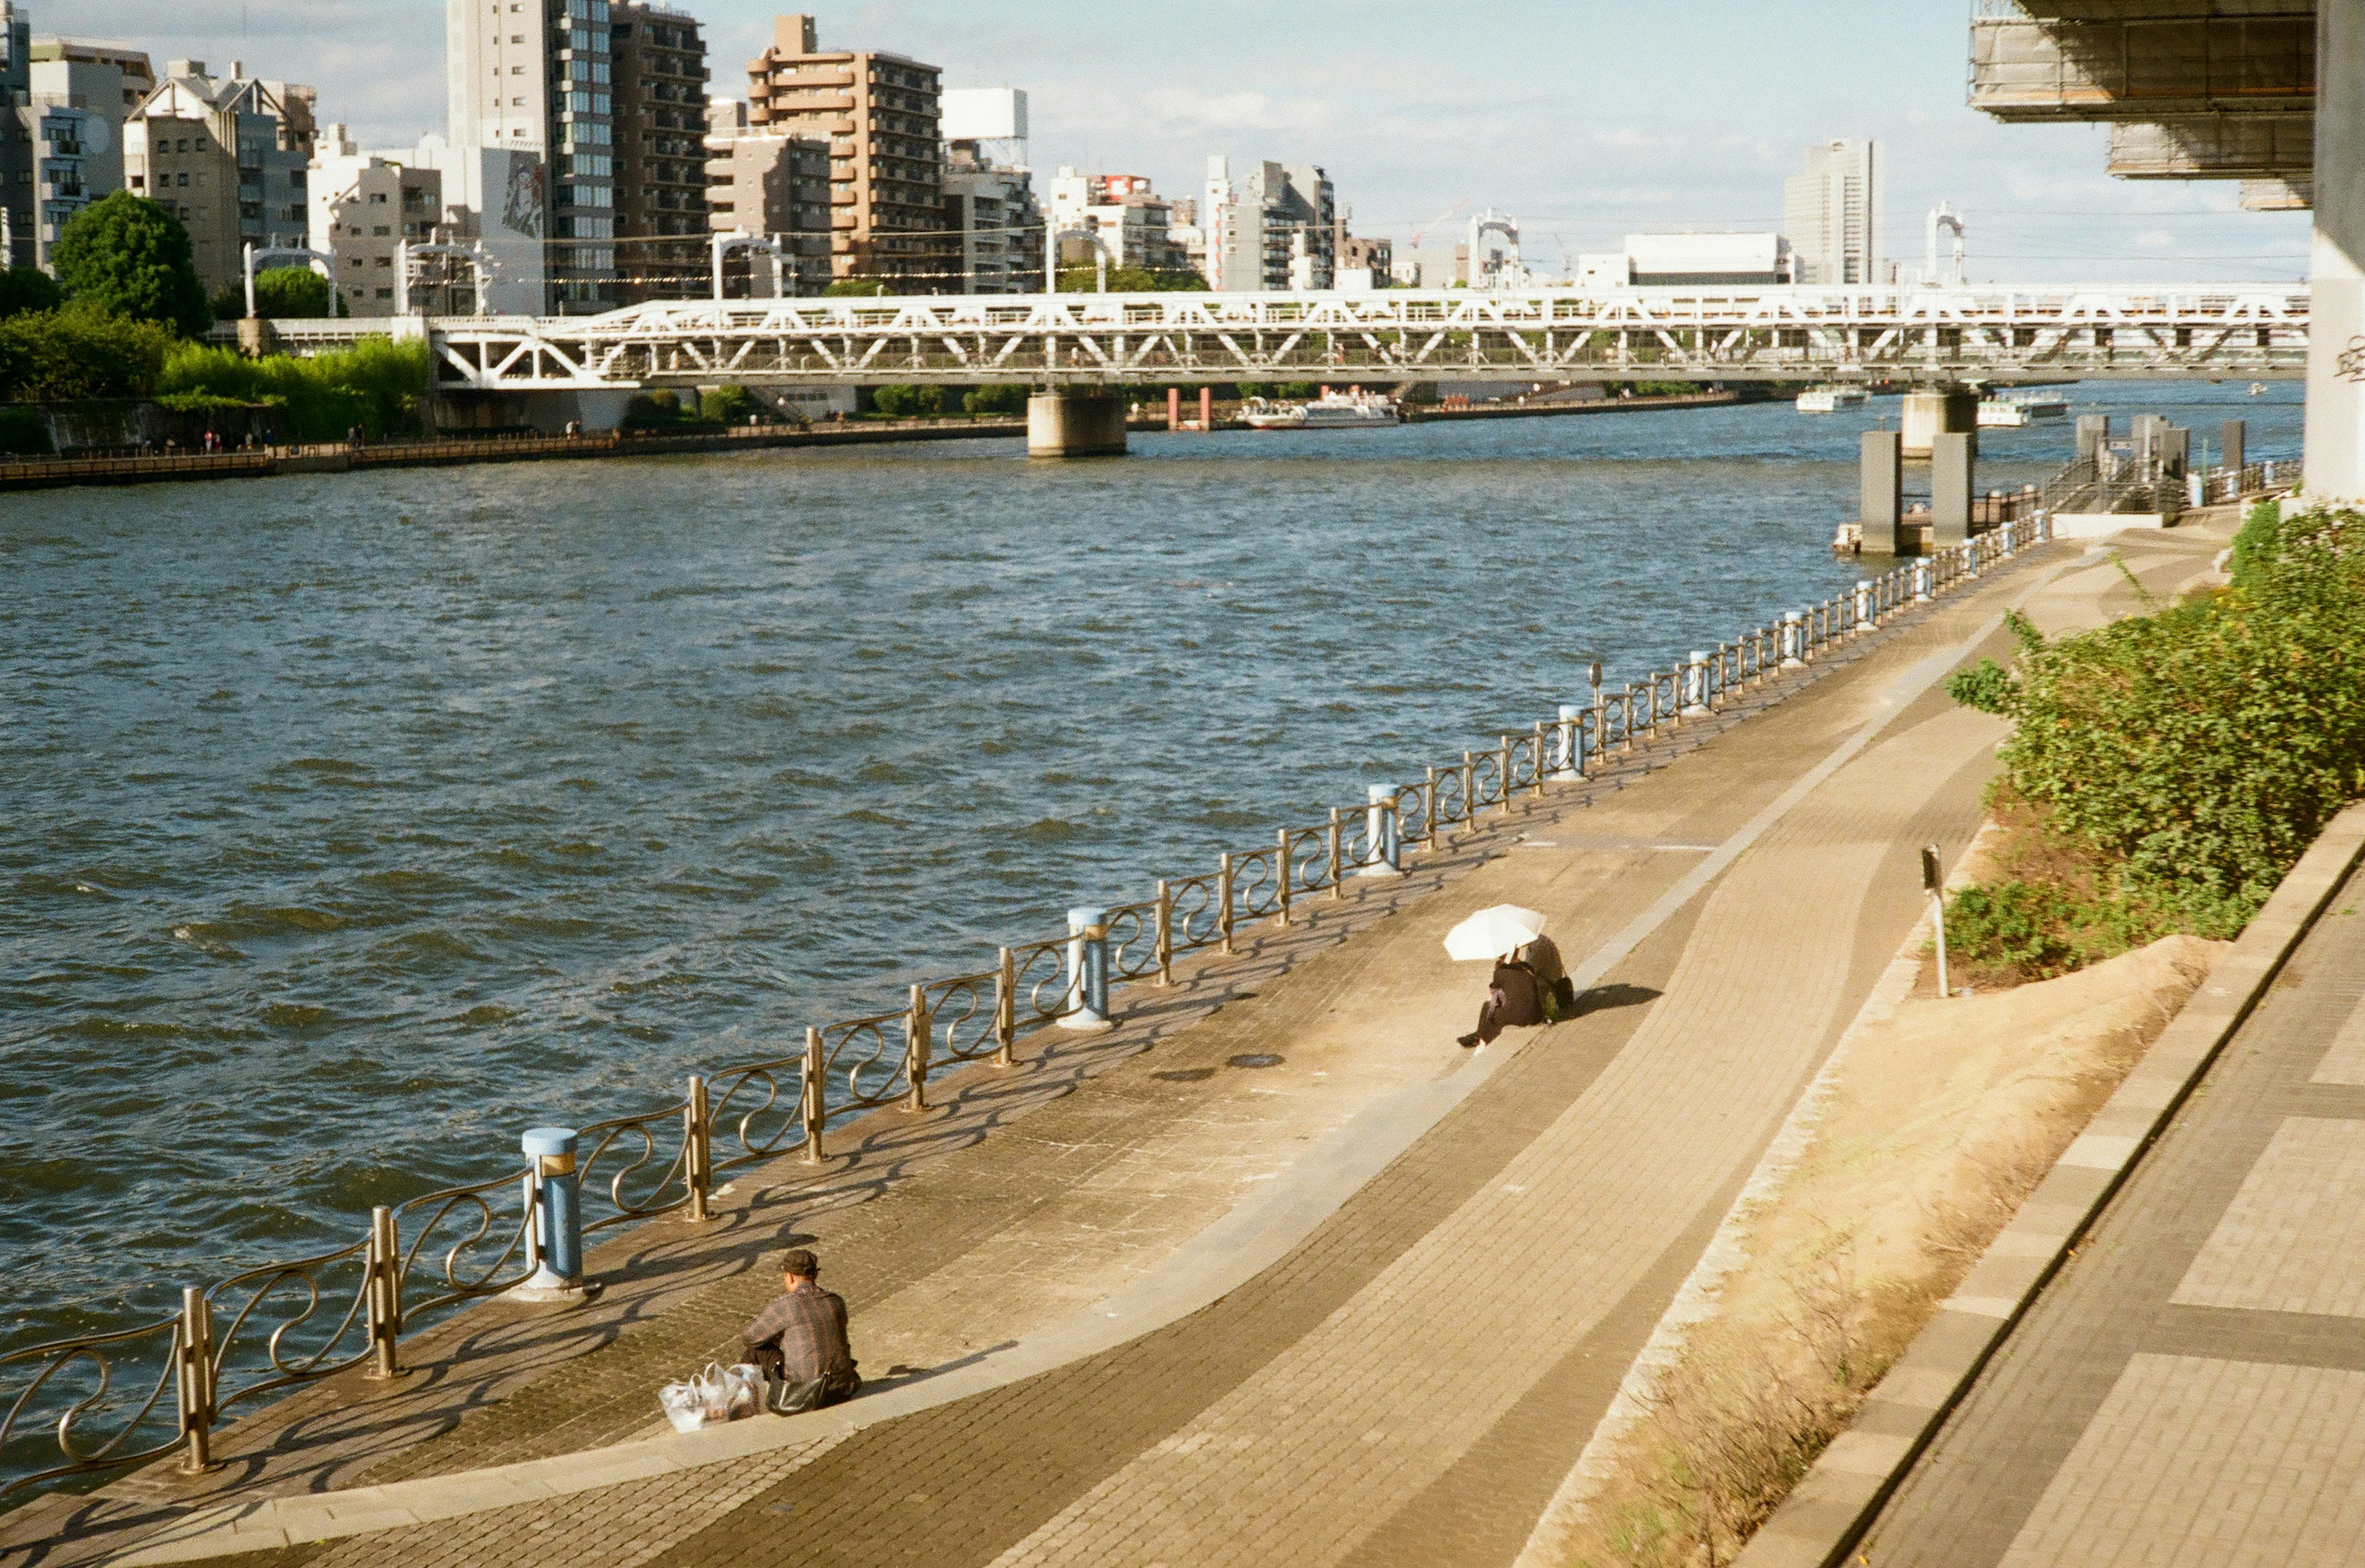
x,y
998,399
65,357
23,433
24,290
898,402
2169,768
728,405
127,256
376,385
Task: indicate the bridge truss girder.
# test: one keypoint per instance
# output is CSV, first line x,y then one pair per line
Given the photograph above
x,y
1933,335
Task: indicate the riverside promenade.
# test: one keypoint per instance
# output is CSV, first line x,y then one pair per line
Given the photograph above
x,y
1274,1270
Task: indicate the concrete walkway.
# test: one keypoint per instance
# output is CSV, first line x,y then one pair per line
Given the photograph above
x,y
1362,1304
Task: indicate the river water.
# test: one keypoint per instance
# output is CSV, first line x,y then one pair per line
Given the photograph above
x,y
351,825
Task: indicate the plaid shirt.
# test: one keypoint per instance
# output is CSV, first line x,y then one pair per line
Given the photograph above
x,y
809,1325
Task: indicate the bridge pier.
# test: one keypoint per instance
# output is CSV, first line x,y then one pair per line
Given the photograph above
x,y
2336,341
1881,498
1947,410
1075,424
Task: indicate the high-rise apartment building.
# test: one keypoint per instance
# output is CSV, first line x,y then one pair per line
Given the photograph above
x,y
881,115
231,156
530,150
658,57
1275,230
1832,214
363,206
772,184
990,208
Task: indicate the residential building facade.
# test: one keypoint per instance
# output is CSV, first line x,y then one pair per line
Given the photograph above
x,y
1130,222
1275,229
62,105
529,154
363,208
881,115
990,208
1831,214
231,156
16,204
1359,263
659,56
770,184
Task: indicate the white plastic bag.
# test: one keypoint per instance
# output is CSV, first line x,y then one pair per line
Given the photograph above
x,y
685,1406
716,1395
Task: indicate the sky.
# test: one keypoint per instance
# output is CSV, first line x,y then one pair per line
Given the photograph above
x,y
1585,119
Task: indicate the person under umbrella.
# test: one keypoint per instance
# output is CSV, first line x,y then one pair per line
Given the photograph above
x,y
1529,985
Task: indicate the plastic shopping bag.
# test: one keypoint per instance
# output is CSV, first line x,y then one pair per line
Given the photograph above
x,y
684,1404
716,1395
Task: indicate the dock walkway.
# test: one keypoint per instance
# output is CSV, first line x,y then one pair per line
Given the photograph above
x,y
1275,1271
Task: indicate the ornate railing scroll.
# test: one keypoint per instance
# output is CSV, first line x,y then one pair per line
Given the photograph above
x,y
1134,941
65,1391
477,1245
268,1322
961,1016
624,1151
866,1060
759,1108
1040,982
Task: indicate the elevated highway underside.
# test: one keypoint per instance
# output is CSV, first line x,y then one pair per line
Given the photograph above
x,y
1994,333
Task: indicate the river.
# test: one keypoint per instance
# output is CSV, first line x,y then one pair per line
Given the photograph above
x,y
352,823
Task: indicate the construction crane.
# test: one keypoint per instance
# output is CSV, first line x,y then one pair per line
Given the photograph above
x,y
1422,233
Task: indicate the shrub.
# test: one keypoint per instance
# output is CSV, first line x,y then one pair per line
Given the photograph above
x,y
862,288
730,405
376,383
127,256
928,400
61,356
998,399
2182,760
895,400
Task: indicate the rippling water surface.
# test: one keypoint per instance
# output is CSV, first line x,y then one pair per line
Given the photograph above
x,y
349,825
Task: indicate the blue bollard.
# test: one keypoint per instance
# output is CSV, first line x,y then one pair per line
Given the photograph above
x,y
553,1189
1088,970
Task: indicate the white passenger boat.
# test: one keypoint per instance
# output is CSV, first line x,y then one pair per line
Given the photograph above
x,y
1333,410
1829,400
2010,412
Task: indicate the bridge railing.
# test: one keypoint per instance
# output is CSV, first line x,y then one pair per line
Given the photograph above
x,y
88,1404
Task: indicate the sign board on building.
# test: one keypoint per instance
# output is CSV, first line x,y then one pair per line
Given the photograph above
x,y
984,114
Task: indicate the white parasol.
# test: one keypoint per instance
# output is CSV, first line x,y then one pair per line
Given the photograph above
x,y
1492,933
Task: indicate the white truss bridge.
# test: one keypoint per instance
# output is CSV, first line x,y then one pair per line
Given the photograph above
x,y
1921,335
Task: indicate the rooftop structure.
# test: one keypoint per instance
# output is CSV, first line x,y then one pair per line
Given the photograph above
x,y
231,156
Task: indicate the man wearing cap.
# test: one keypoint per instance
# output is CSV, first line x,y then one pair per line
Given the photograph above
x,y
800,1340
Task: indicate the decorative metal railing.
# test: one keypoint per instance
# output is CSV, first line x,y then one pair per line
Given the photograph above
x,y
102,1397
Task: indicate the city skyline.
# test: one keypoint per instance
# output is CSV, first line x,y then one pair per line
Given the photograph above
x,y
1533,109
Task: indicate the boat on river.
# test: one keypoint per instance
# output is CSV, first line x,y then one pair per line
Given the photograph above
x,y
2012,411
1351,409
1830,399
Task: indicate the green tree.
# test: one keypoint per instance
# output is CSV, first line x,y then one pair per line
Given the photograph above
x,y
129,257
997,399
28,288
928,400
895,400
730,404
294,293
862,286
1131,280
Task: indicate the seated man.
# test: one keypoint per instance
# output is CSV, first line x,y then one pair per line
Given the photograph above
x,y
798,1340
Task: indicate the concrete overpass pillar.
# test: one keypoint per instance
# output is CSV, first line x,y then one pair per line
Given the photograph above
x,y
2336,340
1952,456
1929,412
1075,424
1880,493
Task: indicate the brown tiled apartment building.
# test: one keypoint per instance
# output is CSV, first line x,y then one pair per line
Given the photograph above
x,y
879,114
659,59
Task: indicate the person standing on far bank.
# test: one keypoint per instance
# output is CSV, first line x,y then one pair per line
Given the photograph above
x,y
798,1340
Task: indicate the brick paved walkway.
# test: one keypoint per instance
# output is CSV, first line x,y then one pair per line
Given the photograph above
x,y
2190,1388
1411,1383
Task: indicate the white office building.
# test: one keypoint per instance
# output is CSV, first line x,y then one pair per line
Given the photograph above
x,y
529,154
364,206
1832,212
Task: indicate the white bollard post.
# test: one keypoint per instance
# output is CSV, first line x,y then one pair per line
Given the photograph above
x,y
1566,767
1695,704
1863,603
1794,637
1921,582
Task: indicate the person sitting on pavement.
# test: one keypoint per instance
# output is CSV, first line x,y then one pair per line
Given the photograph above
x,y
1559,992
798,1340
1529,986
